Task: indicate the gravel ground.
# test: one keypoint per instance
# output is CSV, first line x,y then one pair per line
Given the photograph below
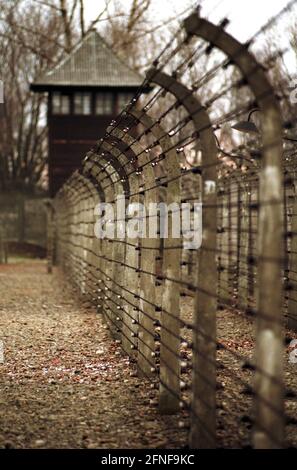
x,y
235,382
235,392
64,382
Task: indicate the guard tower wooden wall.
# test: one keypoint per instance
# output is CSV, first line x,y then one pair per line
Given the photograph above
x,y
85,91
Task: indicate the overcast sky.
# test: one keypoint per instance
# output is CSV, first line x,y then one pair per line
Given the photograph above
x,y
246,16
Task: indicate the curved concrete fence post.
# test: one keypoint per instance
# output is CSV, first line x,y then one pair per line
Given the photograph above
x,y
113,179
148,249
269,387
203,403
170,295
130,275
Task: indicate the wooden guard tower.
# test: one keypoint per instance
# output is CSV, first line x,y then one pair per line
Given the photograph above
x,y
85,92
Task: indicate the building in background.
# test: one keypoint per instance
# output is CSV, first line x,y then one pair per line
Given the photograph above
x,y
85,92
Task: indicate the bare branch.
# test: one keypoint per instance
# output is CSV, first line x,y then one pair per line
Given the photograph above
x,y
66,25
82,18
26,46
34,32
49,5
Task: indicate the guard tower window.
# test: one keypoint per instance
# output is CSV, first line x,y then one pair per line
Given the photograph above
x,y
60,103
104,104
123,99
82,103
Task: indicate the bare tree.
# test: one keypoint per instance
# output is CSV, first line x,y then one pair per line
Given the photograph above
x,y
35,36
24,55
125,28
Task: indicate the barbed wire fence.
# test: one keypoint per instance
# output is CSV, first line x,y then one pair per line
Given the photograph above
x,y
206,327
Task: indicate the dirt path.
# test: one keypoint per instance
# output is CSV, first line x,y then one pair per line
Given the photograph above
x,y
63,382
